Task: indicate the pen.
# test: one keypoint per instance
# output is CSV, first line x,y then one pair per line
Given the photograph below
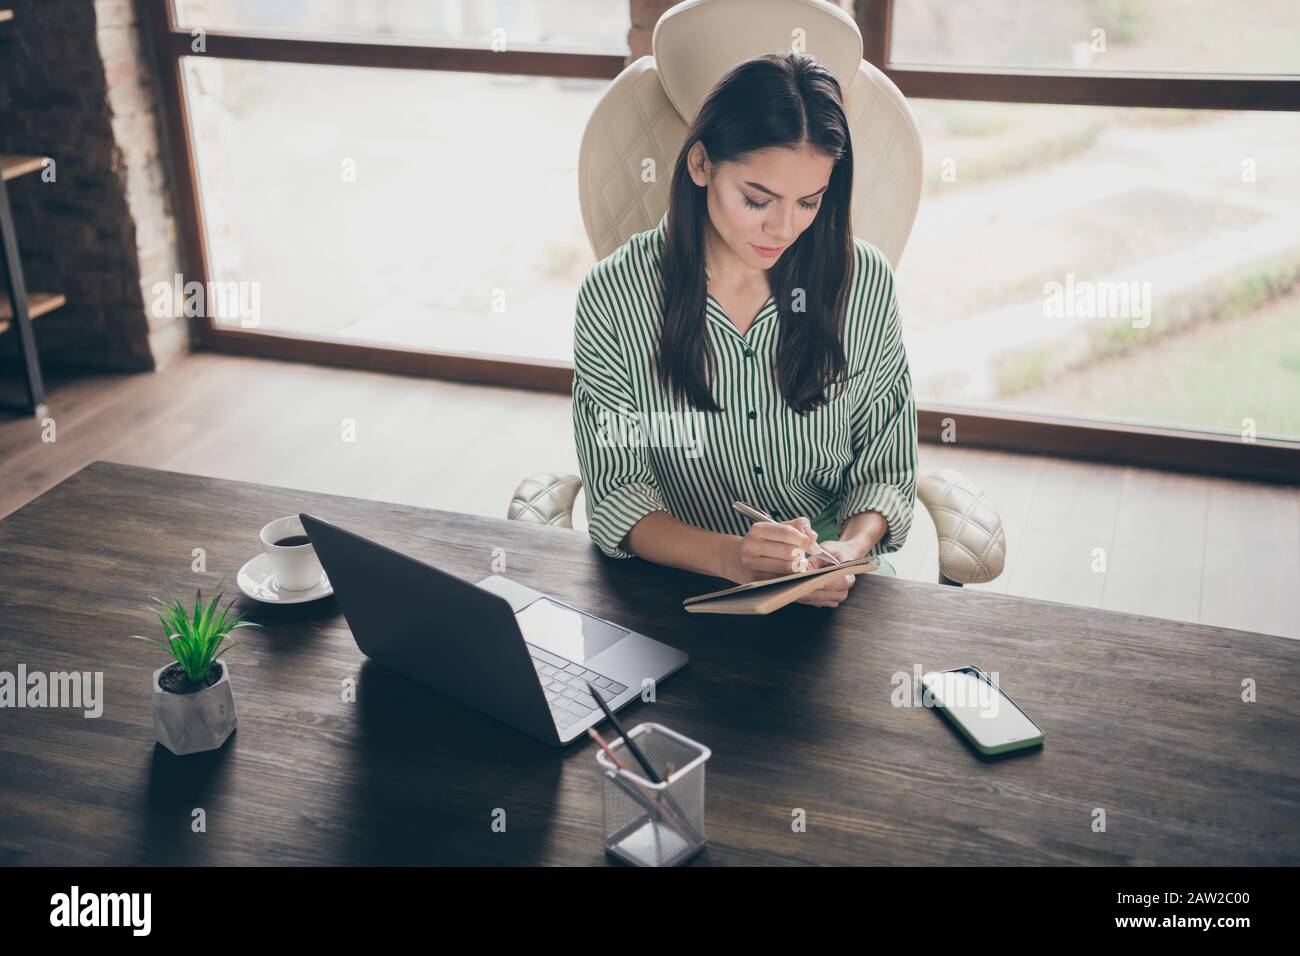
x,y
754,514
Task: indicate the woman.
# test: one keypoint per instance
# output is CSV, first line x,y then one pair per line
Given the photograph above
x,y
748,349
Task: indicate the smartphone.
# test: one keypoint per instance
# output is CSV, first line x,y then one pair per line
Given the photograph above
x,y
988,718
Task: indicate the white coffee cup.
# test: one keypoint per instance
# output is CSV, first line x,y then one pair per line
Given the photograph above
x,y
296,566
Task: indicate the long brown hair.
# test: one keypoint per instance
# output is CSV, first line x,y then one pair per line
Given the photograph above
x,y
784,100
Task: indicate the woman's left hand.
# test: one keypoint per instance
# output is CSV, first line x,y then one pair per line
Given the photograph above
x,y
836,586
843,551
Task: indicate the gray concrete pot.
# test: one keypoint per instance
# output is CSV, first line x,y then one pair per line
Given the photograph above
x,y
193,723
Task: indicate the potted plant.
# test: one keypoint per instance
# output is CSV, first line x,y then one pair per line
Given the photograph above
x,y
193,705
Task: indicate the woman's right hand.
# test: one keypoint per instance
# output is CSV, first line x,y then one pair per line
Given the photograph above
x,y
771,549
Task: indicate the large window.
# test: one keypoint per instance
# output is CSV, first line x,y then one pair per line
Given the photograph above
x,y
1127,36
1105,261
570,24
395,208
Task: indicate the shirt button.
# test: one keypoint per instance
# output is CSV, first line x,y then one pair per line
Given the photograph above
x,y
749,353
758,469
752,414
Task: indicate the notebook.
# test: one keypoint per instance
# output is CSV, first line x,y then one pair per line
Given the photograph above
x,y
763,597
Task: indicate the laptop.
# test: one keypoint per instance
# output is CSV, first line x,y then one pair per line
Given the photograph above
x,y
497,646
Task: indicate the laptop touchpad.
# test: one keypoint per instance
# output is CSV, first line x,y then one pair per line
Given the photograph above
x,y
564,631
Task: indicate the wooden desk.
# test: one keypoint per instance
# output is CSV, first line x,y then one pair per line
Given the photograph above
x,y
1143,717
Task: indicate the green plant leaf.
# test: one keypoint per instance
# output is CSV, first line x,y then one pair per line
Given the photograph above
x,y
195,638
223,650
151,640
180,620
206,621
181,649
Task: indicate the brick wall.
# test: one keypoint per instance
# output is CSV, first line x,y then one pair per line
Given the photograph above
x,y
76,85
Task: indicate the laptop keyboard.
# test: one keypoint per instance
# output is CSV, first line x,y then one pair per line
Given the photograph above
x,y
565,687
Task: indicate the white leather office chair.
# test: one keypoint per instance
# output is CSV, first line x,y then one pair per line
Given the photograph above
x,y
644,115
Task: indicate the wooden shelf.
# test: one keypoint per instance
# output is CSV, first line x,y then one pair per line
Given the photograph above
x,y
17,165
38,303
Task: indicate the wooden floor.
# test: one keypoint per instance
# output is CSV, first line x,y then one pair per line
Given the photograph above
x,y
1184,547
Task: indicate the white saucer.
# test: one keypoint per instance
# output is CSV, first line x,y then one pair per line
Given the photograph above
x,y
258,582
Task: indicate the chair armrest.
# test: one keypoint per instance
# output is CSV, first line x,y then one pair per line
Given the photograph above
x,y
545,498
972,543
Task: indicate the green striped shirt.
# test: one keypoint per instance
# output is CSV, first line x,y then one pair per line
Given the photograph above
x,y
640,451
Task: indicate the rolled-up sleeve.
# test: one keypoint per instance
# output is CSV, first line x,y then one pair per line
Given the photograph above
x,y
882,476
620,484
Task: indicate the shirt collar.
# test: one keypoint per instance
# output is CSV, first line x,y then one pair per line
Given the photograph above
x,y
756,335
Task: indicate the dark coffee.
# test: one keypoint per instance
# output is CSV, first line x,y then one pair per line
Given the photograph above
x,y
293,541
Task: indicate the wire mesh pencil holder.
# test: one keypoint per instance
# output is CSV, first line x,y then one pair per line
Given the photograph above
x,y
654,824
